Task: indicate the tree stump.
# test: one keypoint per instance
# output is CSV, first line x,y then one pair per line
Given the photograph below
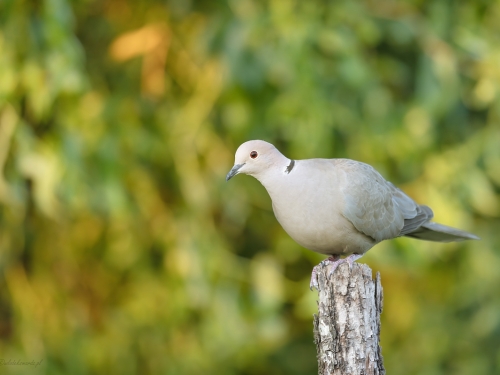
x,y
347,326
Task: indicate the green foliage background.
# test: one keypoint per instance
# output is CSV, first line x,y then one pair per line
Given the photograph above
x,y
123,250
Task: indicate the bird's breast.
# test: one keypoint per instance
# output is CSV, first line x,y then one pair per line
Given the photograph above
x,y
311,213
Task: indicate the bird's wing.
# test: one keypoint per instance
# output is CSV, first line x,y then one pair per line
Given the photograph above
x,y
375,206
415,215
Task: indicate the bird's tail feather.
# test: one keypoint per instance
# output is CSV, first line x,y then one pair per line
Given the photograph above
x,y
440,233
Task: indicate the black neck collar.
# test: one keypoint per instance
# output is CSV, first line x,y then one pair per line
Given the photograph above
x,y
290,166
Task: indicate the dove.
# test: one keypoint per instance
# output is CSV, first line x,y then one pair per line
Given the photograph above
x,y
337,207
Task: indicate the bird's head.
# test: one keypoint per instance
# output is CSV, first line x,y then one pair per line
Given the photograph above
x,y
254,158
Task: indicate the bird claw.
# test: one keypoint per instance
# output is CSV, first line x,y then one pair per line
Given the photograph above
x,y
314,280
352,258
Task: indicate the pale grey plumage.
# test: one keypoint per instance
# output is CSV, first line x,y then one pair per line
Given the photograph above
x,y
387,213
337,206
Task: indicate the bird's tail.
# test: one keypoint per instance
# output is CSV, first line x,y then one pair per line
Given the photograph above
x,y
440,233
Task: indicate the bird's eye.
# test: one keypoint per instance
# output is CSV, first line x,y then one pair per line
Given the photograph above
x,y
254,154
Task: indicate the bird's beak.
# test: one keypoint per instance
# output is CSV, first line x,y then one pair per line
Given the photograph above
x,y
234,171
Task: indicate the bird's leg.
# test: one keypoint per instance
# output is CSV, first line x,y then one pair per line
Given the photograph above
x,y
334,260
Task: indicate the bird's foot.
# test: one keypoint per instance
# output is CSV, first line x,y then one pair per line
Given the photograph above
x,y
352,258
334,261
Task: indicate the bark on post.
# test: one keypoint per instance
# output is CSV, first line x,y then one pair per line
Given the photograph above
x,y
347,327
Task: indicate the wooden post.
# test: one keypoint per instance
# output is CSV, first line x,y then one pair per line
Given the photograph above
x,y
347,326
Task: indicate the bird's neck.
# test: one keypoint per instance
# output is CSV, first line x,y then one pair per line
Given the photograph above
x,y
273,176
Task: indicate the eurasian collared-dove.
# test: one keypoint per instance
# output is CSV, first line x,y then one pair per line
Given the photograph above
x,y
337,206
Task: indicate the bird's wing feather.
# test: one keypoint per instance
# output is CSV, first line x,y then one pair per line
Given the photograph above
x,y
375,206
414,215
